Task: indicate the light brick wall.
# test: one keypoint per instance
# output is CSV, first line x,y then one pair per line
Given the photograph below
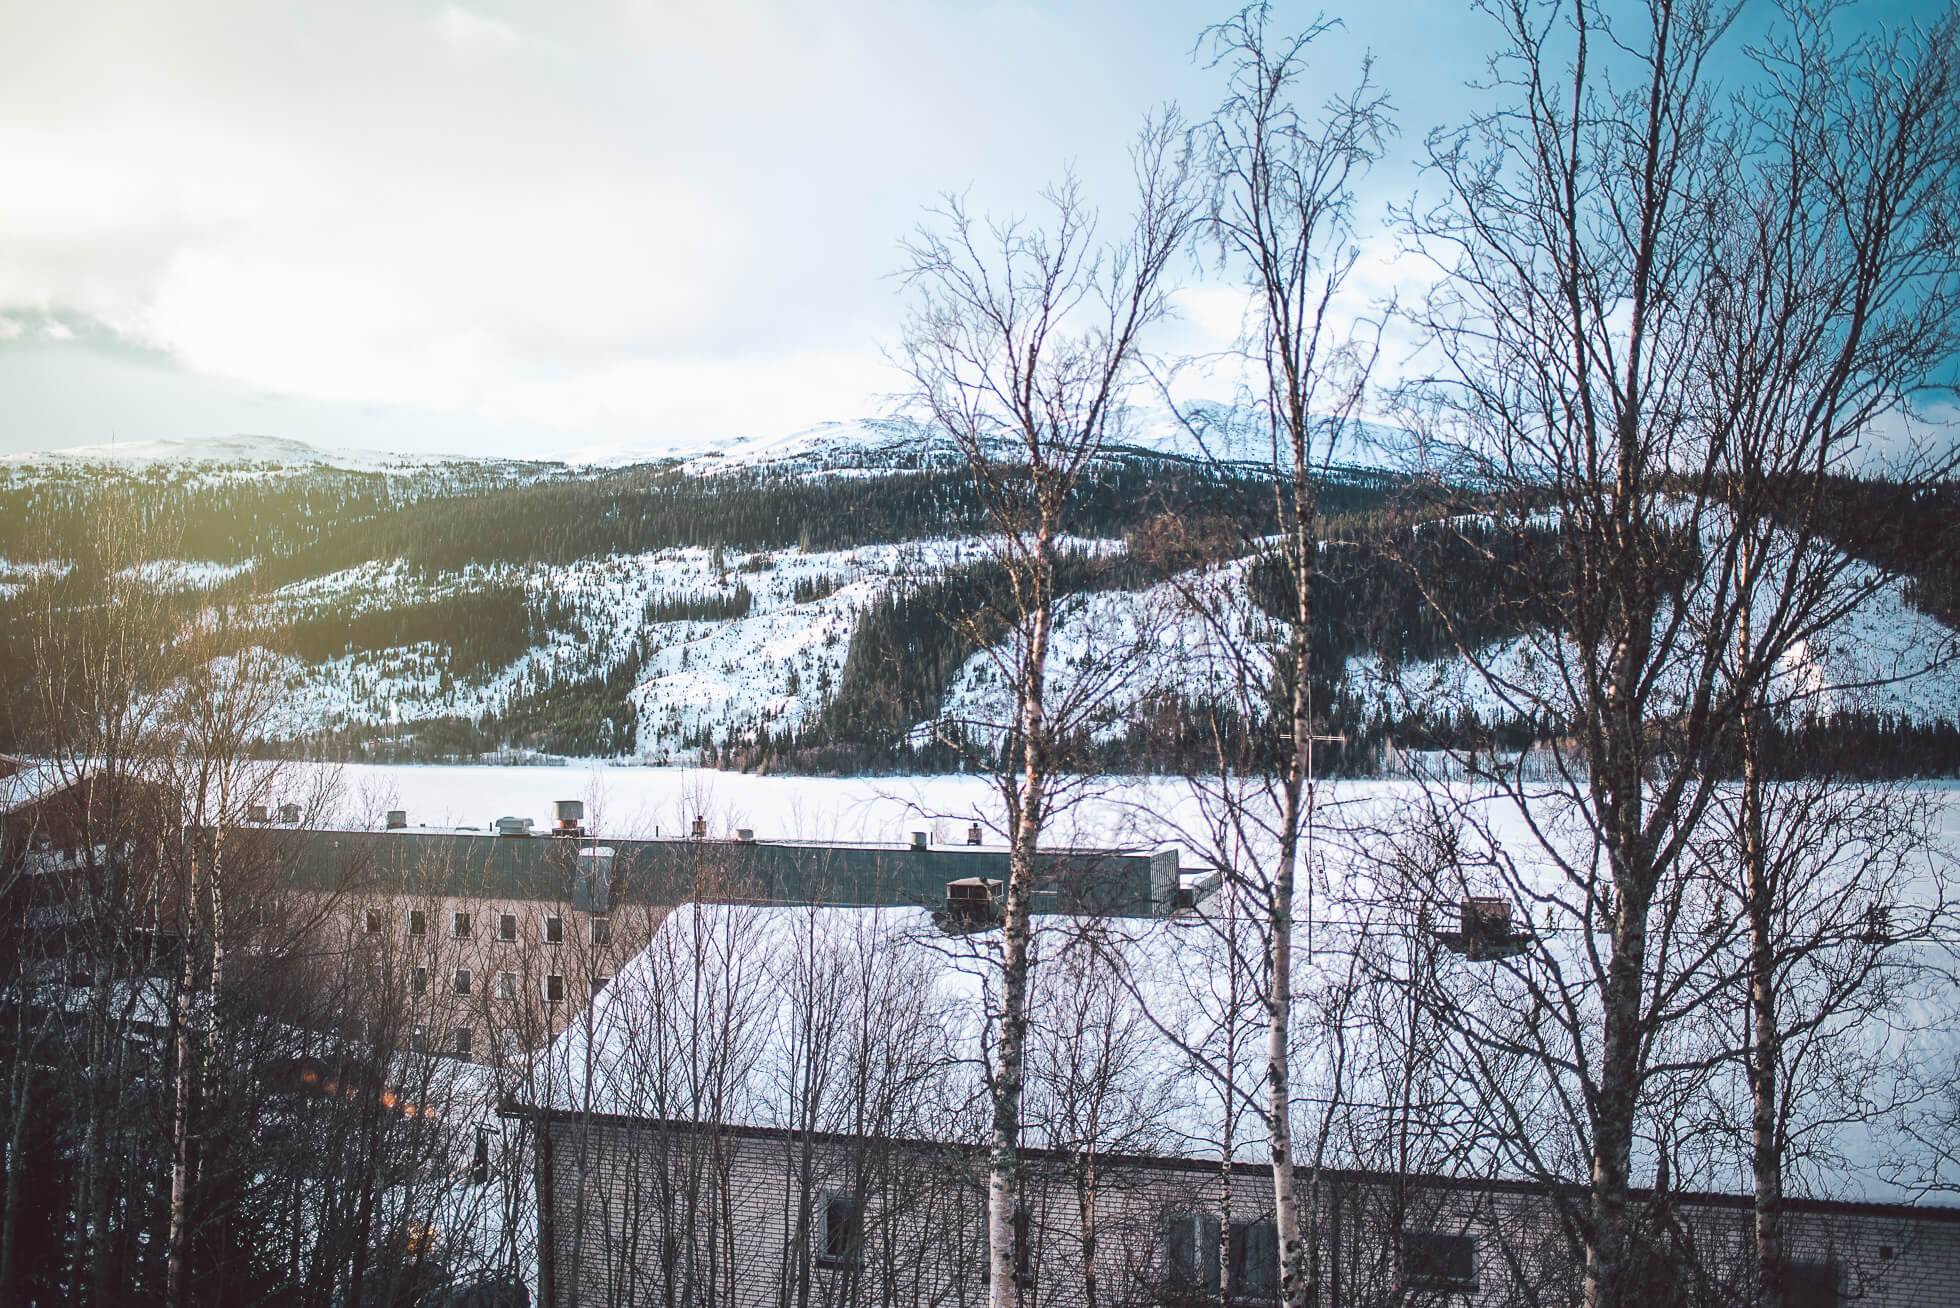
x,y
641,1215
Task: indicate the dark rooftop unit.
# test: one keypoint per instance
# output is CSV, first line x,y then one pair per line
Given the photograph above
x,y
1486,933
520,865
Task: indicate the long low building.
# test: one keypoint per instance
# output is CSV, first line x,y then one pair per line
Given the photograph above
x,y
786,1105
494,938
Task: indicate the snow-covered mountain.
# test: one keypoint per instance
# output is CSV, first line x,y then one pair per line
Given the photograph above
x,y
447,606
238,450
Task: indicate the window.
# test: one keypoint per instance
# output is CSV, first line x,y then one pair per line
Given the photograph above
x,y
840,1231
554,989
1812,1284
418,981
507,927
601,931
554,929
371,922
418,922
1024,1250
459,926
599,982
418,1039
509,1045
480,1157
1436,1260
506,985
459,1042
462,980
1192,1254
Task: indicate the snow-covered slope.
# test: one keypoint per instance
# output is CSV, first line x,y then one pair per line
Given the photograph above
x,y
273,451
717,680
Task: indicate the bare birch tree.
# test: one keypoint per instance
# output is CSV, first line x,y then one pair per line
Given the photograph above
x,y
1280,216
1023,345
1667,313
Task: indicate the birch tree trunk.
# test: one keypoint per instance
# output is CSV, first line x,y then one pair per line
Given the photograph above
x,y
1022,344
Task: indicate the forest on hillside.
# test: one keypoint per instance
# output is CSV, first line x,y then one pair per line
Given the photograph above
x,y
1386,589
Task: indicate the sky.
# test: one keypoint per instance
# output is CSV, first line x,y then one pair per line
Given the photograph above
x,y
569,229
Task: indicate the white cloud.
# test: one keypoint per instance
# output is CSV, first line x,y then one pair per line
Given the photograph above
x,y
610,217
465,27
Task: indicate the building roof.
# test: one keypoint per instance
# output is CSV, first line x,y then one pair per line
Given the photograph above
x,y
24,782
757,986
779,976
477,864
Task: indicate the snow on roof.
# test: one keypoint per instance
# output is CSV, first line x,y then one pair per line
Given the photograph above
x,y
762,1016
721,1017
35,782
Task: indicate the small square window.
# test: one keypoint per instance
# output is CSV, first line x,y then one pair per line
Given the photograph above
x,y
507,927
554,929
554,989
418,1039
462,980
459,1042
841,1235
1812,1283
418,922
418,981
371,922
599,982
509,1045
1252,1250
1437,1260
601,931
506,985
459,926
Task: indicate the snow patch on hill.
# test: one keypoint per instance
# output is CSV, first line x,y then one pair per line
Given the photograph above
x,y
699,681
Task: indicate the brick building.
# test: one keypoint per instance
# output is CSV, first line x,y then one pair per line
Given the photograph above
x,y
497,937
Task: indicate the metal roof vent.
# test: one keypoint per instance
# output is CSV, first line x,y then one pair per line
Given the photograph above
x,y
256,813
571,818
512,826
397,819
745,834
919,842
973,833
289,813
700,831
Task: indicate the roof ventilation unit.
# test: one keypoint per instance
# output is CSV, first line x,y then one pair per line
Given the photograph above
x,y
571,818
972,904
512,826
973,833
397,819
257,813
919,842
745,834
289,813
1487,932
700,831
